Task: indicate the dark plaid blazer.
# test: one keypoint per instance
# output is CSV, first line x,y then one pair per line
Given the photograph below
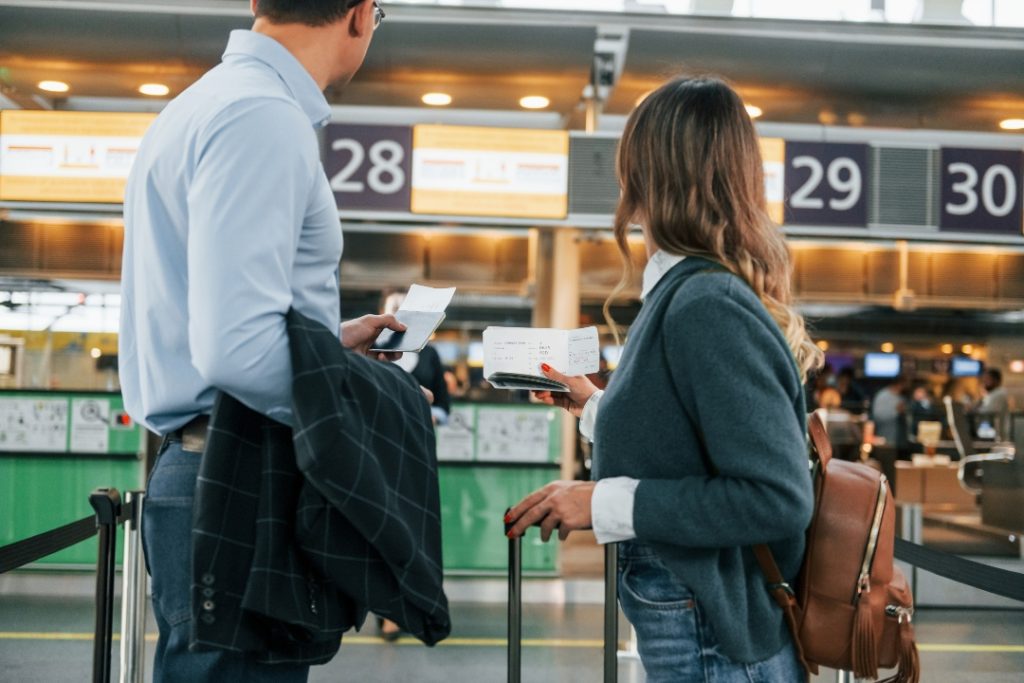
x,y
298,533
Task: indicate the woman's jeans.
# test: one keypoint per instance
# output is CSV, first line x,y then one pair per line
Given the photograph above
x,y
167,541
675,640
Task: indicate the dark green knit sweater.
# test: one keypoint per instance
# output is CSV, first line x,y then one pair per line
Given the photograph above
x,y
706,409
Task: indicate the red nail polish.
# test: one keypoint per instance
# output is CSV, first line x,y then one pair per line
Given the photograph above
x,y
545,367
508,518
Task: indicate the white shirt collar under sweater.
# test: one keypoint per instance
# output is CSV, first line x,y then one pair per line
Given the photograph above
x,y
659,264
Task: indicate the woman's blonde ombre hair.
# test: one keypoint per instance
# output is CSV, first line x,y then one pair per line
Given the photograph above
x,y
690,168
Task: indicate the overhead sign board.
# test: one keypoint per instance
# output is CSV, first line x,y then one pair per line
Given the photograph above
x,y
773,155
981,191
369,166
469,171
54,156
826,184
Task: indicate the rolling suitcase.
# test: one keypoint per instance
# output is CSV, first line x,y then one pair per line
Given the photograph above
x,y
515,611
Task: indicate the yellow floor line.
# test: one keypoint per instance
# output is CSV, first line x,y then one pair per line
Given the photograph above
x,y
500,642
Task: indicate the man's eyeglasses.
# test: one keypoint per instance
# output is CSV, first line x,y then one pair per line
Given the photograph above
x,y
378,15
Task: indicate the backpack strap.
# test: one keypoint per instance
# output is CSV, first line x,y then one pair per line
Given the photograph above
x,y
780,590
821,445
785,596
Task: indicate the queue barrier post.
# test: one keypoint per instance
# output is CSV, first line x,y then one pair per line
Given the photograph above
x,y
107,504
133,593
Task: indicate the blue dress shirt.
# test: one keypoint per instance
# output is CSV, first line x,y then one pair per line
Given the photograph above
x,y
229,221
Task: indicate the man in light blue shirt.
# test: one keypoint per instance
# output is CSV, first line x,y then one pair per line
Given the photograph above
x,y
229,222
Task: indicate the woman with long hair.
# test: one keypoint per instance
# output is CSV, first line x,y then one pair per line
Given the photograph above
x,y
700,438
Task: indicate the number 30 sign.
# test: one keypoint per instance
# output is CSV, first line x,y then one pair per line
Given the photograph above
x,y
981,190
369,166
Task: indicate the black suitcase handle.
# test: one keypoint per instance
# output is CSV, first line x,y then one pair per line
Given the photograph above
x,y
515,610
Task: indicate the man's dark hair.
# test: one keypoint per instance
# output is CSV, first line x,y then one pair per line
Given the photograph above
x,y
308,12
996,374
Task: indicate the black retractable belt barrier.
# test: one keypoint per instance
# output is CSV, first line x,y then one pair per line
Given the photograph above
x,y
37,547
1003,582
515,611
107,504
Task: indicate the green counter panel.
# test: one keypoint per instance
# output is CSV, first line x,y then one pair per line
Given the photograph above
x,y
38,493
473,503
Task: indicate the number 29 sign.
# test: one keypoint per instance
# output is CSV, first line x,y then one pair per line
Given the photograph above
x,y
826,183
369,166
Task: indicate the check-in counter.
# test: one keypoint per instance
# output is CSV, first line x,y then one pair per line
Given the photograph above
x,y
55,448
490,457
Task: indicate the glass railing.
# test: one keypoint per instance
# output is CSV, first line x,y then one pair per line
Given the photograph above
x,y
984,13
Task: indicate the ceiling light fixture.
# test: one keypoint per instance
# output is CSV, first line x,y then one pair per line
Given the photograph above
x,y
154,89
947,348
534,102
1012,124
823,345
888,347
54,86
752,111
437,99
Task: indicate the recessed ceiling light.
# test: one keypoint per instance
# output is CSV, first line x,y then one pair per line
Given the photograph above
x,y
54,86
534,102
888,347
154,89
437,99
1012,124
752,111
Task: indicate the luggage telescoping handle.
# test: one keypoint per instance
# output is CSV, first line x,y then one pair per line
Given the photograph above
x,y
611,612
515,606
515,610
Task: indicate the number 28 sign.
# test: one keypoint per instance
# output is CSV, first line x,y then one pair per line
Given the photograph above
x,y
369,166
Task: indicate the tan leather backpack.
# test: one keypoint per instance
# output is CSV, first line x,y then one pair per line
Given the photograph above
x,y
851,608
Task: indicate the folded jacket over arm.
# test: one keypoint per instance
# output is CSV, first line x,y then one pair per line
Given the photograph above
x,y
297,533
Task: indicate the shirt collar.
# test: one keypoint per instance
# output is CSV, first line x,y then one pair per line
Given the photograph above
x,y
660,263
295,77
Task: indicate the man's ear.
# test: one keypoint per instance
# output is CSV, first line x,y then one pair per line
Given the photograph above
x,y
252,6
356,17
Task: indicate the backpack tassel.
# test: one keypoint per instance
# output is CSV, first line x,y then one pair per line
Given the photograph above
x,y
909,670
865,658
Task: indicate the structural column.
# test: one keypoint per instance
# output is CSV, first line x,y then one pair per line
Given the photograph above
x,y
555,256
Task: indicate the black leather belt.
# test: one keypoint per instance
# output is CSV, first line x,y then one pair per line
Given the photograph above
x,y
193,435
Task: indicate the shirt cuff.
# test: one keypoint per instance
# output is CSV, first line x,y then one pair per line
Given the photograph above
x,y
611,509
589,417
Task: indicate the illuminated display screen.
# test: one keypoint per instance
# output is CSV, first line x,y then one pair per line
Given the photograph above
x,y
508,172
773,155
68,156
881,365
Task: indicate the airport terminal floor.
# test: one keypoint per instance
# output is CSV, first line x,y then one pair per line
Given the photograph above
x,y
725,295
45,639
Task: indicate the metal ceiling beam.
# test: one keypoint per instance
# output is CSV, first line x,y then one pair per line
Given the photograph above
x,y
971,37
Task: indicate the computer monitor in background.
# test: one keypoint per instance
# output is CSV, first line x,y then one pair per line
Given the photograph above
x,y
965,367
881,365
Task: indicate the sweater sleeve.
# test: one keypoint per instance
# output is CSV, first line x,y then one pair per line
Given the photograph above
x,y
736,380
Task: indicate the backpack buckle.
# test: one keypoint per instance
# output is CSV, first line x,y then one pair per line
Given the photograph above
x,y
782,585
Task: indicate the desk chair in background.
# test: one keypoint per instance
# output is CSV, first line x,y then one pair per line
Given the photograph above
x,y
972,463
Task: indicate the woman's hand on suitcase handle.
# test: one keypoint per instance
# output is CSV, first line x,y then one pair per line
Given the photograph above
x,y
562,505
580,391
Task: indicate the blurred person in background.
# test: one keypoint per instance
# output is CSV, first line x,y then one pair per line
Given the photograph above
x,y
693,467
994,405
850,394
889,412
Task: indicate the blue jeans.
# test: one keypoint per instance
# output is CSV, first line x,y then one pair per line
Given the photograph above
x,y
167,542
675,641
